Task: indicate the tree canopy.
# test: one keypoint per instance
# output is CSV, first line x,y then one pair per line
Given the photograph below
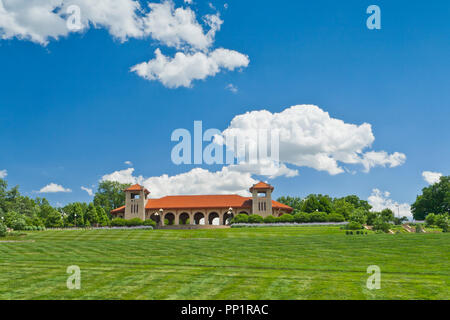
x,y
434,199
110,195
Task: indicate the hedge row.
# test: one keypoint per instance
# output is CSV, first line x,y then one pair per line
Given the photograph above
x,y
135,222
301,217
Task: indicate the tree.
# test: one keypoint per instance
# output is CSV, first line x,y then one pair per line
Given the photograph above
x,y
293,202
435,198
53,219
317,202
343,207
359,215
3,229
387,215
103,219
357,202
91,215
110,195
74,214
15,220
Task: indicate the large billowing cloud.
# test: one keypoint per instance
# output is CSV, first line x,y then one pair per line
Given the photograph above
x,y
431,177
181,70
381,200
196,181
43,20
310,137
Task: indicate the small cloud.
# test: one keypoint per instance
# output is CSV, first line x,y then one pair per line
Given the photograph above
x,y
88,190
225,6
128,163
189,2
232,88
431,177
53,188
3,174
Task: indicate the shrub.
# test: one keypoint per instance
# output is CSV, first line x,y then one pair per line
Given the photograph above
x,y
240,218
419,228
359,215
134,222
270,219
2,229
430,219
254,218
335,217
318,217
149,222
353,225
118,222
441,221
286,218
301,217
380,224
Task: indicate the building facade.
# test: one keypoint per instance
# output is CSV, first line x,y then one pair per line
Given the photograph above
x,y
199,209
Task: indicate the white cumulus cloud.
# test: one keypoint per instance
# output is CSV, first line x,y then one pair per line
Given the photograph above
x,y
128,163
310,137
179,27
184,68
381,200
53,188
194,182
88,190
42,20
3,174
431,177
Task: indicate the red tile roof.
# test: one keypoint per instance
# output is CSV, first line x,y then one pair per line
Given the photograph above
x,y
206,202
118,210
203,202
137,187
261,186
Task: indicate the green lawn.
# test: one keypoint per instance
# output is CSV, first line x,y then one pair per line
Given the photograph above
x,y
264,263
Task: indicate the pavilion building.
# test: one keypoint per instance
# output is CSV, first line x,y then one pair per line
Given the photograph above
x,y
199,209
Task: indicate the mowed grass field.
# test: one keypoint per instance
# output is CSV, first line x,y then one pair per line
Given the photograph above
x,y
251,263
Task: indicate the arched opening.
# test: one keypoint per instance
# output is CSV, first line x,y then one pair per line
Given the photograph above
x,y
280,214
156,218
244,212
169,219
227,218
199,218
184,218
214,219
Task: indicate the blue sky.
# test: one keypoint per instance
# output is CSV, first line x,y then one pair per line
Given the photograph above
x,y
71,111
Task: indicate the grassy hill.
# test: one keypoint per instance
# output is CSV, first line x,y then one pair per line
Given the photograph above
x,y
248,263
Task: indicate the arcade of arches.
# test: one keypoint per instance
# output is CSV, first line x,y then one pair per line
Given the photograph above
x,y
215,217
